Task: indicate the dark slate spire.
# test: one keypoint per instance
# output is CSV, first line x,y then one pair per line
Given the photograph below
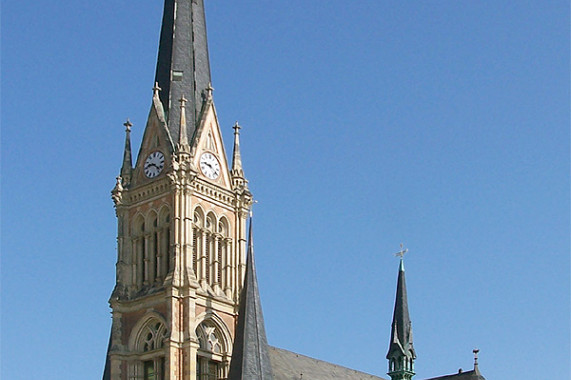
x,y
401,353
127,168
183,67
250,355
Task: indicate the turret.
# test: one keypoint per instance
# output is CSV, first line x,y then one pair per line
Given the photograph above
x,y
127,168
401,354
237,173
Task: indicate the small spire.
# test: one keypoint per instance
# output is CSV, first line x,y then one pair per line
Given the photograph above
x,y
127,167
401,354
237,171
183,139
250,355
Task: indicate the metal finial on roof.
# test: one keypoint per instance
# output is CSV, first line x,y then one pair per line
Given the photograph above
x,y
402,251
475,351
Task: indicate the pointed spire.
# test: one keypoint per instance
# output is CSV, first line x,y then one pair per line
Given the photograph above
x,y
250,355
182,146
237,170
127,167
401,352
183,65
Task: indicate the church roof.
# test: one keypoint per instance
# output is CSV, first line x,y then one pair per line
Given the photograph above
x,y
468,375
183,66
288,365
250,356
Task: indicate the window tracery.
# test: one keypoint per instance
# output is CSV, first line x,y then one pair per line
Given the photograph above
x,y
212,357
149,363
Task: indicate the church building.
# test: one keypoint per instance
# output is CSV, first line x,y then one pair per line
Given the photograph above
x,y
186,305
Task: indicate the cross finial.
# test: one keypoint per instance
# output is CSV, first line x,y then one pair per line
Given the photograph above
x,y
209,90
156,89
127,125
402,251
236,128
183,101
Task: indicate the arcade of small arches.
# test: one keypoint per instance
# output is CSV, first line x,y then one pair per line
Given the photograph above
x,y
212,260
152,254
211,251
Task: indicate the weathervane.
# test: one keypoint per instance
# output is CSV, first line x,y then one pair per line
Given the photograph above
x,y
402,251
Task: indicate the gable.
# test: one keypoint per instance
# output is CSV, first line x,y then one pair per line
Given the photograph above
x,y
207,143
155,139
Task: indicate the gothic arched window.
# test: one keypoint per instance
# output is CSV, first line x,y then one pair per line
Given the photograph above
x,y
138,250
197,242
150,350
212,357
165,262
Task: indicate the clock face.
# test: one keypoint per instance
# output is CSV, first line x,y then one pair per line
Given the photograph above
x,y
209,165
154,164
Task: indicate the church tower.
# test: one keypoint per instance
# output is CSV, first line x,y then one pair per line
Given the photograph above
x,y
181,216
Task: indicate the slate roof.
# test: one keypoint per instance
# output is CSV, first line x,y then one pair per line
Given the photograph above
x,y
288,365
250,357
183,66
468,375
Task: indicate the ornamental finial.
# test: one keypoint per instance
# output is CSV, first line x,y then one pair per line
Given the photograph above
x,y
128,125
156,89
402,251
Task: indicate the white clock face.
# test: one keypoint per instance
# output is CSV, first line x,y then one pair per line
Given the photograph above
x,y
209,166
154,164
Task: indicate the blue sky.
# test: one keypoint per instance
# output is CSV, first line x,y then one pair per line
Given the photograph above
x,y
443,125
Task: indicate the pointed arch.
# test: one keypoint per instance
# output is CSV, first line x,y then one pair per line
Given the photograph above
x,y
198,216
151,264
138,248
213,356
224,226
210,248
198,241
164,255
147,342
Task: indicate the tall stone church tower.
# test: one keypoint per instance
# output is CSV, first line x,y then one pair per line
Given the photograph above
x,y
181,216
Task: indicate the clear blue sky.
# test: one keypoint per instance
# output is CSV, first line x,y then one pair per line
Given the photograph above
x,y
440,124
